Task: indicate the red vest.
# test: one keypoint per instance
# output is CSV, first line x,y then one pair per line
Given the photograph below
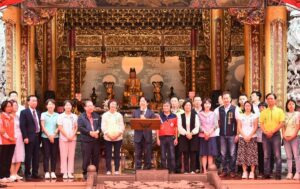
x,y
168,127
7,123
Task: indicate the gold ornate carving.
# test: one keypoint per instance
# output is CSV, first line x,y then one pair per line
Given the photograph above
x,y
10,53
88,40
139,19
278,60
206,31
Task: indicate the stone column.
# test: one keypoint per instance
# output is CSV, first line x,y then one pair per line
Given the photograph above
x,y
194,42
275,52
253,40
217,49
72,36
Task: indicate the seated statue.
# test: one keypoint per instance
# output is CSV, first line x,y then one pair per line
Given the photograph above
x,y
109,88
133,90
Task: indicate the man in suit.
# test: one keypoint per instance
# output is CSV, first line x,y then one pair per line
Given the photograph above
x,y
89,125
31,129
143,138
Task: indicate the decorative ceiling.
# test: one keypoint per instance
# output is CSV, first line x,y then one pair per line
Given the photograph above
x,y
129,19
144,4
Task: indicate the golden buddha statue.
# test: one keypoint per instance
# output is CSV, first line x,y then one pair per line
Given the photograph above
x,y
133,90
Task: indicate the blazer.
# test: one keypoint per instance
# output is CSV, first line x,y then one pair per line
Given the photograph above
x,y
146,133
27,125
84,126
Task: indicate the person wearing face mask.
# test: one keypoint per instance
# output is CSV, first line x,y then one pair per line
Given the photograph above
x,y
89,125
143,138
112,126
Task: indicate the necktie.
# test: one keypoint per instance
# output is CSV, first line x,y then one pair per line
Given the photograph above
x,y
35,122
92,122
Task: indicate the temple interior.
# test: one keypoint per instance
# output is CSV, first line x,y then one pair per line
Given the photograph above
x,y
59,48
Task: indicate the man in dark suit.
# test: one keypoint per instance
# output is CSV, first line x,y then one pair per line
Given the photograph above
x,y
89,125
143,139
31,128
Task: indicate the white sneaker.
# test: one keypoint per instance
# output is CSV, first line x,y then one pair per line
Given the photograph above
x,y
65,176
289,176
117,172
18,177
70,176
4,180
192,172
11,179
296,176
251,175
53,176
47,175
245,175
108,173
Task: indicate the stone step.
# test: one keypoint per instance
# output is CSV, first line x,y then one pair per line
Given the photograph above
x,y
262,184
46,185
152,175
183,184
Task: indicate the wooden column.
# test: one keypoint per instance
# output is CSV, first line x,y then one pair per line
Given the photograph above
x,y
72,36
194,42
217,49
253,40
53,80
31,60
276,52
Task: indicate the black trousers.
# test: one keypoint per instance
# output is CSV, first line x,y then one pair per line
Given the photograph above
x,y
189,159
140,148
6,156
90,155
32,158
260,151
50,153
109,145
178,159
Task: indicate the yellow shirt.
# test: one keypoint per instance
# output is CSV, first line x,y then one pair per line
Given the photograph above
x,y
270,118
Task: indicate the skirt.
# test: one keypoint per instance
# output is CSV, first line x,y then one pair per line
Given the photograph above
x,y
208,147
247,152
19,154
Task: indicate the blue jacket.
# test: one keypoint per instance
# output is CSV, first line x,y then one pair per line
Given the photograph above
x,y
84,126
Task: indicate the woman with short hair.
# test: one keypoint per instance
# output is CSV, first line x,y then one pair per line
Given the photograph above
x,y
112,126
67,125
50,138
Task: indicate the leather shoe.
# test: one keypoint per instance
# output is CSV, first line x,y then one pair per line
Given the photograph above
x,y
267,177
36,177
277,177
223,174
232,175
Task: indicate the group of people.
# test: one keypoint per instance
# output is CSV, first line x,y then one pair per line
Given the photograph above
x,y
247,135
23,130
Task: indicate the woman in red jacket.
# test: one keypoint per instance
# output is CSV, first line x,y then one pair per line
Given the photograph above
x,y
7,138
